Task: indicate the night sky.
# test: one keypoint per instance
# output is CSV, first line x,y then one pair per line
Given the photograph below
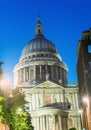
x,y
63,22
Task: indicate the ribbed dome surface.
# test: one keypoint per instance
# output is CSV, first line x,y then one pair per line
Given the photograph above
x,y
39,43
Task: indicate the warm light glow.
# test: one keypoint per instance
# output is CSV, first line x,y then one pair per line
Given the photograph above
x,y
50,127
10,95
6,83
19,110
2,82
85,100
80,111
8,80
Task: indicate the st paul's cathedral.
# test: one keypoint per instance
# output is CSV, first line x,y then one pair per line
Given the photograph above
x,y
42,76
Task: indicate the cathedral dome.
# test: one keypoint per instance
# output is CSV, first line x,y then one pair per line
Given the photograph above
x,y
38,44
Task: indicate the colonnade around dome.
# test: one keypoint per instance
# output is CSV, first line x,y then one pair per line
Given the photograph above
x,y
39,73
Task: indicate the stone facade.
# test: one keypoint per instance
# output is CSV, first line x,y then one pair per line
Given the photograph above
x,y
84,77
42,75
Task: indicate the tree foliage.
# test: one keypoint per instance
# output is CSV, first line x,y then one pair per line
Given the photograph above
x,y
21,121
9,106
2,106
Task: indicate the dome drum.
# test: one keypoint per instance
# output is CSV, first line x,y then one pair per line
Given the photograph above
x,y
41,73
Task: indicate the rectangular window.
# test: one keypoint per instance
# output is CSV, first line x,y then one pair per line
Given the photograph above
x,y
27,108
89,48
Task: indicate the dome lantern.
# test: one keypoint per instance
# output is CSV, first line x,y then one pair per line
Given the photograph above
x,y
39,29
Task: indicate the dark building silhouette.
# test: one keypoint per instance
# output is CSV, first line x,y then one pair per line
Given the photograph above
x,y
84,78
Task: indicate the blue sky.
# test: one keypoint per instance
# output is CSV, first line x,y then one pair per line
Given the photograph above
x,y
63,22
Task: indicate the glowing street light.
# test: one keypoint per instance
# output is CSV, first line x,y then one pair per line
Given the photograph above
x,y
19,110
80,111
85,100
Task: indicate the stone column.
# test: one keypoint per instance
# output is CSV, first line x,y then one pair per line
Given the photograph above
x,y
60,122
64,75
38,126
43,99
33,101
75,122
37,101
64,121
61,97
60,73
53,97
46,69
58,97
24,75
72,106
47,122
52,72
29,73
47,74
44,127
20,76
41,123
57,72
74,101
35,123
34,72
63,93
54,127
76,97
40,72
79,123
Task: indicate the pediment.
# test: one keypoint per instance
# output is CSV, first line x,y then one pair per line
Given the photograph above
x,y
48,85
